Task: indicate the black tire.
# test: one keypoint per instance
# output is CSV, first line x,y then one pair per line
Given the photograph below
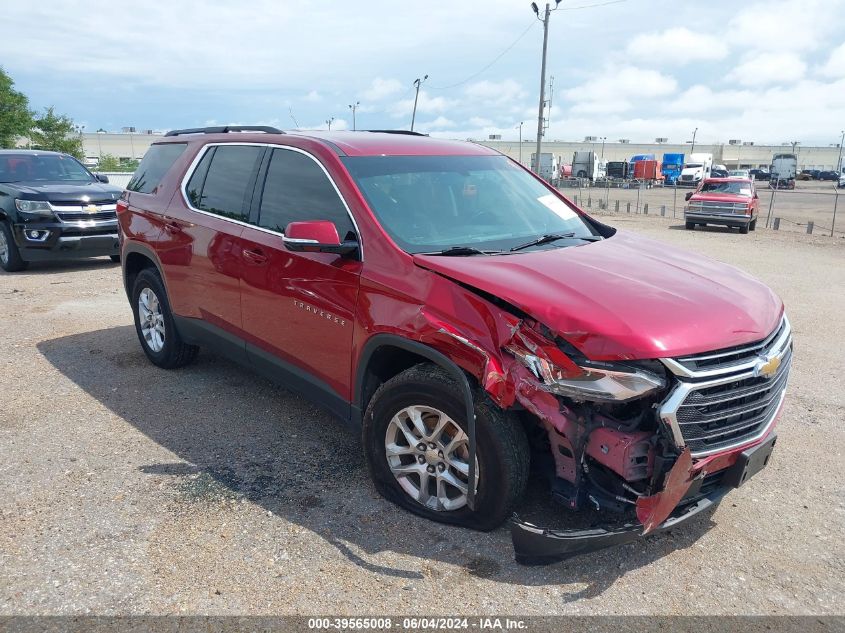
x,y
175,352
743,229
12,262
753,225
689,226
115,258
502,447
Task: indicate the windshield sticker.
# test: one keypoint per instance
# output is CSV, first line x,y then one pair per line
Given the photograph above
x,y
557,205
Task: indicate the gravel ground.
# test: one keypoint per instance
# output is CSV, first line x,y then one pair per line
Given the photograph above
x,y
126,489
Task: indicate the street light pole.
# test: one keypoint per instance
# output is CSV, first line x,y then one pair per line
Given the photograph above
x,y
520,141
353,107
417,83
329,123
695,131
603,139
542,105
839,160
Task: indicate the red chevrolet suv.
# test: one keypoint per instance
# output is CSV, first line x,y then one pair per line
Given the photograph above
x,y
463,316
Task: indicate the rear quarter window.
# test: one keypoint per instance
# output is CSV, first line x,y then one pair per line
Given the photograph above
x,y
156,163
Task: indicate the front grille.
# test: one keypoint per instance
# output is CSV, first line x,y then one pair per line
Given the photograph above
x,y
711,418
734,357
686,177
75,217
718,207
728,397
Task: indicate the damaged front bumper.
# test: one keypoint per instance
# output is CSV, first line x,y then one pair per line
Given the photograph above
x,y
535,545
541,546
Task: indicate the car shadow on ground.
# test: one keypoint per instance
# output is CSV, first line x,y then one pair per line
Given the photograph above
x,y
241,437
64,266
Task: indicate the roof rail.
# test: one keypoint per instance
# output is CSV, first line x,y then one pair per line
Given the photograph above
x,y
408,132
223,129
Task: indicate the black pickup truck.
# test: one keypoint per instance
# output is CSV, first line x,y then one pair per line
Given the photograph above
x,y
52,207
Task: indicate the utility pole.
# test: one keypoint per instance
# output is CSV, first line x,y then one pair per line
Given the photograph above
x,y
329,123
839,160
417,83
353,107
520,141
694,132
545,20
603,139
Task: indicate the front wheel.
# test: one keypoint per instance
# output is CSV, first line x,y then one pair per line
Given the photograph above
x,y
115,258
154,323
753,225
744,229
10,257
417,450
689,226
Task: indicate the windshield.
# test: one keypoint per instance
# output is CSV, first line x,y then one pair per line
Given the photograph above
x,y
432,203
738,172
692,165
738,188
44,167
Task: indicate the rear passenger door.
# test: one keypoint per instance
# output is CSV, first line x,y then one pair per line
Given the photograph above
x,y
201,247
298,308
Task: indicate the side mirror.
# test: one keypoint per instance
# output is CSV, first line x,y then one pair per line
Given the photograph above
x,y
317,236
689,195
102,178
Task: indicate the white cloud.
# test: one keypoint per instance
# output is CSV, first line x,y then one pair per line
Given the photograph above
x,y
478,121
677,45
783,25
835,65
769,68
426,104
313,96
381,89
494,93
619,83
439,123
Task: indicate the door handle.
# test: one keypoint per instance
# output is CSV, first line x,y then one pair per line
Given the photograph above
x,y
256,256
172,227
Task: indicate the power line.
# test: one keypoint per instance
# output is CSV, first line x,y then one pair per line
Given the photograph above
x,y
497,58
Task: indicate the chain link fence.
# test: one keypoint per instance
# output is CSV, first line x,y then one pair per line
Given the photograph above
x,y
812,207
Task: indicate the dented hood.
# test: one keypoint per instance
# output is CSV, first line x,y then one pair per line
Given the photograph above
x,y
625,297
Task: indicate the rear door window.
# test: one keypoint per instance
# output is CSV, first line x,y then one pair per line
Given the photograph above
x,y
223,181
156,163
297,189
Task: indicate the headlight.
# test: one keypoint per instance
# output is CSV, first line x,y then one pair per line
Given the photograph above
x,y
596,382
34,207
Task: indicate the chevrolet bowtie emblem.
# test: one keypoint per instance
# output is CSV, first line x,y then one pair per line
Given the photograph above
x,y
92,208
768,368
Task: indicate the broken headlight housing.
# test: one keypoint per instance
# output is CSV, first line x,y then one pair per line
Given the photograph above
x,y
584,380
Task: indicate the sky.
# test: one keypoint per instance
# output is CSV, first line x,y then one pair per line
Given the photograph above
x,y
767,72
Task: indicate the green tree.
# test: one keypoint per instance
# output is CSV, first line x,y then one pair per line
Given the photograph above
x,y
56,133
15,115
109,162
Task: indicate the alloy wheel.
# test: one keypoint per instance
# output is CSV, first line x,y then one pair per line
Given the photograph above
x,y
151,319
4,247
428,454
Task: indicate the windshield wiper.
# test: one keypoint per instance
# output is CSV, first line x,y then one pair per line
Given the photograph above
x,y
553,237
461,251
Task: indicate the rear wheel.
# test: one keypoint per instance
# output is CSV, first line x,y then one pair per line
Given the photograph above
x,y
417,449
154,323
115,258
690,226
10,257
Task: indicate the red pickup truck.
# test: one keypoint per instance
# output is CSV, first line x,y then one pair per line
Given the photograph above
x,y
724,201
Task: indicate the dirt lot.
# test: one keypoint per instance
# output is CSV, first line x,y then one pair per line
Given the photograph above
x,y
128,489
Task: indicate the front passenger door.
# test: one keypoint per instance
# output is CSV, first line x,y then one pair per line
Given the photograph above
x,y
298,308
